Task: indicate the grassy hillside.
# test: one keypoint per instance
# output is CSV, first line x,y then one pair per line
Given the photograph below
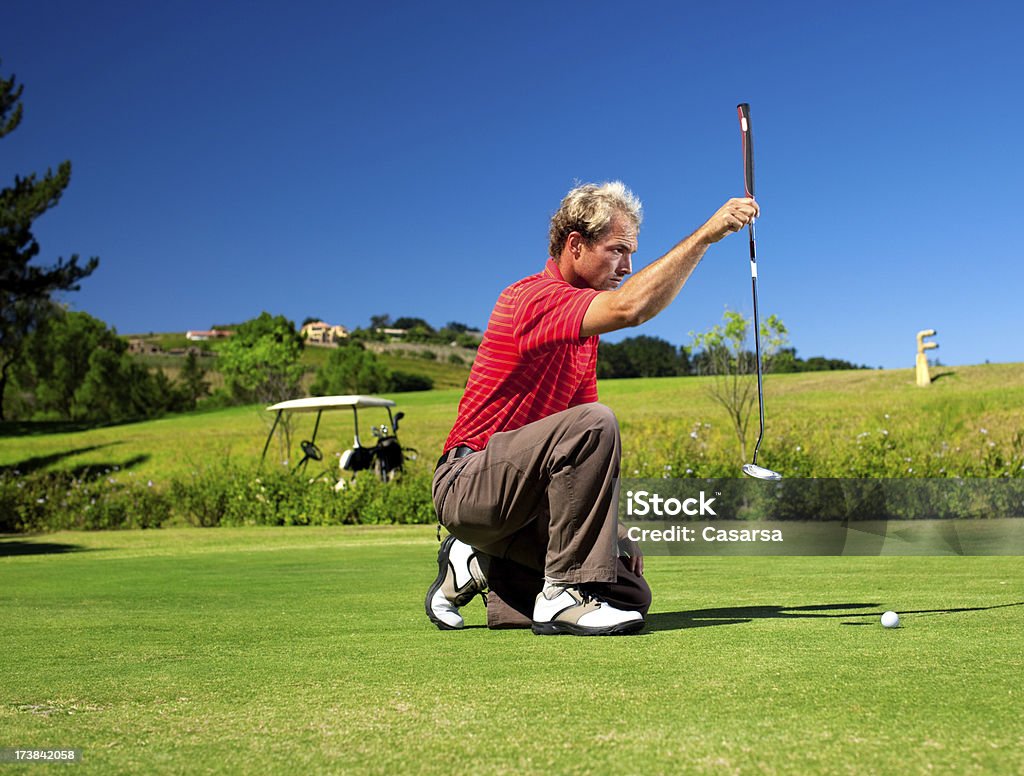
x,y
970,422
398,357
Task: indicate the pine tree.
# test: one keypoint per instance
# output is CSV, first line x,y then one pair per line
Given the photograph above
x,y
25,288
191,380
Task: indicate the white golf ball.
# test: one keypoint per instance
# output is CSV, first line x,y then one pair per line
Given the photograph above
x,y
890,620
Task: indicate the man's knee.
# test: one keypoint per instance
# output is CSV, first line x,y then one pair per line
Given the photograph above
x,y
596,415
597,421
588,432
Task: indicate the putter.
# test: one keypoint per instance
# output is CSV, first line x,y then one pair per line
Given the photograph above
x,y
743,109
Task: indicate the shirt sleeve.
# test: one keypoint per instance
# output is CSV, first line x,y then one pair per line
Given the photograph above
x,y
549,314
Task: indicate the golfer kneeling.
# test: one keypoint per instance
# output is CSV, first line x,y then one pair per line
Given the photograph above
x,y
527,483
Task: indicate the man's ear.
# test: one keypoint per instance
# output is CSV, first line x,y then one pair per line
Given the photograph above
x,y
574,242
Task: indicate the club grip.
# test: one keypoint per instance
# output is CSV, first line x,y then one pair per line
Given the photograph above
x,y
743,109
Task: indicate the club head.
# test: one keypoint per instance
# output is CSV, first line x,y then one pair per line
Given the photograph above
x,y
753,470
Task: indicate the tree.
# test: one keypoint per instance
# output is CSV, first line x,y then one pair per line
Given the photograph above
x,y
641,356
613,361
260,362
25,288
58,356
191,380
116,388
459,334
76,368
413,323
725,357
786,360
351,369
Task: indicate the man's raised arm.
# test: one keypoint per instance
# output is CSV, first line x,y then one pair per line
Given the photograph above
x,y
653,288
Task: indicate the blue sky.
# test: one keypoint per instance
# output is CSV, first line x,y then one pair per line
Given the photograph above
x,y
343,160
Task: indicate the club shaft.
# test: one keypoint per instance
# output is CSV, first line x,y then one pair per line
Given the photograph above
x,y
757,336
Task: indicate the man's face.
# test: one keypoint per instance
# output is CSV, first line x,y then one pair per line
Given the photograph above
x,y
604,264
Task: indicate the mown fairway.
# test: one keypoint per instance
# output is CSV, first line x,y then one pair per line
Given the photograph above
x,y
306,650
857,423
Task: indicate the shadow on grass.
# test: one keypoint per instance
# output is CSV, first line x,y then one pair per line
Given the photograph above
x,y
737,615
940,375
12,547
932,612
29,465
84,471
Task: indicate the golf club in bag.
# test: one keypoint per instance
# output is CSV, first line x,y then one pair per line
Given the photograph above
x,y
743,109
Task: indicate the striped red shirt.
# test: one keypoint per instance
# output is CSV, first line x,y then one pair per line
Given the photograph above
x,y
531,362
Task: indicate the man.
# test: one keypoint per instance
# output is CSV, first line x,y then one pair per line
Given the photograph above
x,y
527,483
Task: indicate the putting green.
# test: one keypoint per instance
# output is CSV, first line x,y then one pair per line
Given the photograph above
x,y
306,650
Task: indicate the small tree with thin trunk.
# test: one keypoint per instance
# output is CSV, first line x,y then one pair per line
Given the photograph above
x,y
726,358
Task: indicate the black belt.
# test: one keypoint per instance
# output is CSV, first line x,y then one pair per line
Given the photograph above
x,y
454,454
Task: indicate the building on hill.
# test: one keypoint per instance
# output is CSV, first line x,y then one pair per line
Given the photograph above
x,y
324,334
202,336
141,347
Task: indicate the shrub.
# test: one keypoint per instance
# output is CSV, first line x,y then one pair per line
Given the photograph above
x,y
220,493
53,501
225,493
402,382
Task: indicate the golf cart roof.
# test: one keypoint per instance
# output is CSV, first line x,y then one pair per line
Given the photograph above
x,y
318,403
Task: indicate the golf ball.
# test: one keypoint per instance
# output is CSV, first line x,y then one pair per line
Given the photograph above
x,y
890,620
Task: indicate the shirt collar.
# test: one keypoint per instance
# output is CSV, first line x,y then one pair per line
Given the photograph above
x,y
551,269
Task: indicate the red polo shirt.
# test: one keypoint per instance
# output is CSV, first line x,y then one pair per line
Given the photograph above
x,y
532,362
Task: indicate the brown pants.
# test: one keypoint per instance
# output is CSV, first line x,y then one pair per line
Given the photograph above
x,y
543,497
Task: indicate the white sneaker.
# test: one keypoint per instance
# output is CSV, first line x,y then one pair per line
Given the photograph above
x,y
459,579
577,612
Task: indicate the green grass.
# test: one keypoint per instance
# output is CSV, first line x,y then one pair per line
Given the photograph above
x,y
397,358
444,374
818,425
176,444
307,651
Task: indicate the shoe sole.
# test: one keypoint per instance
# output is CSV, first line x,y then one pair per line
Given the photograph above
x,y
569,629
442,570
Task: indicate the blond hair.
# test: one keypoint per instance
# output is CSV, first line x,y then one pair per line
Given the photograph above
x,y
589,210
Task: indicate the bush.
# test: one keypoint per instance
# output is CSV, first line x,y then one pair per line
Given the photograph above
x,y
54,501
402,382
222,493
229,494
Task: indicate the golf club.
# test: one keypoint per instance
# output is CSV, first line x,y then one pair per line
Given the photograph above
x,y
743,109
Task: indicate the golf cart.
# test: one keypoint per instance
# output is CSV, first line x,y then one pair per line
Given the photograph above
x,y
385,458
